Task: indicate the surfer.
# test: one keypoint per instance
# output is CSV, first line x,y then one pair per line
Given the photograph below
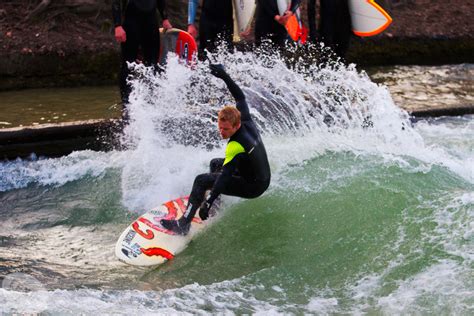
x,y
136,26
216,24
269,24
244,172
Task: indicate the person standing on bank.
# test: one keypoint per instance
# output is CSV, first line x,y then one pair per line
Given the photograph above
x,y
269,24
244,172
216,24
136,26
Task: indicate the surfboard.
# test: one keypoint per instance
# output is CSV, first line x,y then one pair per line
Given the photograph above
x,y
244,12
146,243
179,42
294,26
368,18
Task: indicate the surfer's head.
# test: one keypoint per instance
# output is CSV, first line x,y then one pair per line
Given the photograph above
x,y
228,121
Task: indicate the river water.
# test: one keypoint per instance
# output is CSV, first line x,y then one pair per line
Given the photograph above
x,y
367,211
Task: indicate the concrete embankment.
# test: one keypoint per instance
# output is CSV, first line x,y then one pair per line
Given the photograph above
x,y
54,140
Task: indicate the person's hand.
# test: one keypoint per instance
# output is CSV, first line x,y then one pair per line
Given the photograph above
x,y
245,34
120,35
167,25
192,30
218,70
204,210
282,19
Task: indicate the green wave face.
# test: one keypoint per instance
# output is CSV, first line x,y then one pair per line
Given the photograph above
x,y
348,228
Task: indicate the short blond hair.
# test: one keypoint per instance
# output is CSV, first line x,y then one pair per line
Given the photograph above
x,y
229,114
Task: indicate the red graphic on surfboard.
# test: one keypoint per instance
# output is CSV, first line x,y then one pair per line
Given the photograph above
x,y
145,242
179,42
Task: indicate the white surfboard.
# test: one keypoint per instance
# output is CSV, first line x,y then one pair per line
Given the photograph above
x,y
368,18
244,12
283,6
146,243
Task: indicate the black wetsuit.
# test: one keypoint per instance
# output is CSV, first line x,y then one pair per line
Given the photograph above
x,y
265,25
141,27
216,24
245,171
336,25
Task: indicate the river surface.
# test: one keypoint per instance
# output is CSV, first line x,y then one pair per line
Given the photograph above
x,y
367,211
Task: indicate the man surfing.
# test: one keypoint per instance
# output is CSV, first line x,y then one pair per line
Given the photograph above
x,y
244,172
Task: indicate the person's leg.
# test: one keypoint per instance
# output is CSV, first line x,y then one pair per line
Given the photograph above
x,y
225,34
206,37
343,28
270,30
327,17
150,39
129,54
202,183
313,35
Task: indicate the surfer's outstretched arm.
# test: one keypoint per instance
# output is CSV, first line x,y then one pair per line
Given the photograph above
x,y
241,104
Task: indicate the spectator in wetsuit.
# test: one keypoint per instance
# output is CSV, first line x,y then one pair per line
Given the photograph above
x,y
216,24
244,172
269,24
136,26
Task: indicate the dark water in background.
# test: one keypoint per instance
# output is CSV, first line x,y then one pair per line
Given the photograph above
x,y
46,106
357,220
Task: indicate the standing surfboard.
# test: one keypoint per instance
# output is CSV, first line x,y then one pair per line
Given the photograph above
x,y
146,243
244,12
179,42
294,26
368,18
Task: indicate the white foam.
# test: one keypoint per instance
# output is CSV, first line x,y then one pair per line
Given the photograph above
x,y
441,287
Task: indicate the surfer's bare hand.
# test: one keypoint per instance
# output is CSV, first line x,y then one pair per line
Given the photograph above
x,y
167,25
120,35
218,70
192,30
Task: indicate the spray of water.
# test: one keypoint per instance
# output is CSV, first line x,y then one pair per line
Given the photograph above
x,y
303,109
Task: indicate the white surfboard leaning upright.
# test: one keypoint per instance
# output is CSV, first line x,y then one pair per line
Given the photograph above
x,y
146,243
368,18
244,12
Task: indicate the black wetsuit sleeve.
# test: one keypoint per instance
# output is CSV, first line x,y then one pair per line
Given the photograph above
x,y
117,12
295,4
239,97
161,5
223,180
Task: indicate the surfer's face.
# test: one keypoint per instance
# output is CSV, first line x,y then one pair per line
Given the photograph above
x,y
226,129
